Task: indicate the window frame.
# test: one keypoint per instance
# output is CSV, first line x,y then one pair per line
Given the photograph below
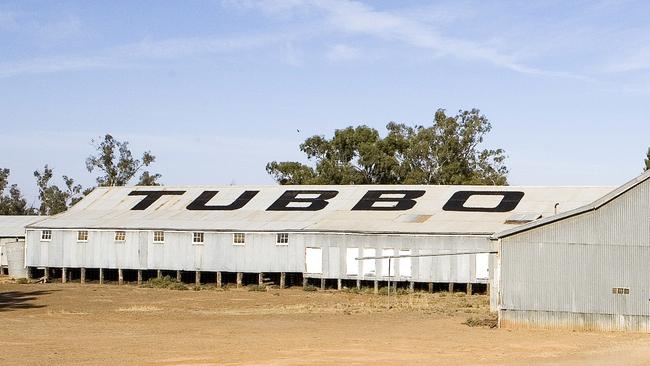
x,y
80,234
49,238
159,240
117,235
282,239
236,242
196,234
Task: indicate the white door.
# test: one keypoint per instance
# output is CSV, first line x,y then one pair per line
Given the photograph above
x,y
313,260
482,266
369,264
351,262
405,264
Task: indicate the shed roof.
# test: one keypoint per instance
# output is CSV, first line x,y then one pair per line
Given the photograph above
x,y
14,226
594,205
113,208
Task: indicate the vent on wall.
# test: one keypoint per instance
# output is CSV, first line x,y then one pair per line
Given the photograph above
x,y
522,218
620,290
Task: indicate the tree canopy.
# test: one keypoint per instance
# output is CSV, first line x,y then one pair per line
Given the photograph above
x,y
647,161
447,152
53,199
12,202
118,166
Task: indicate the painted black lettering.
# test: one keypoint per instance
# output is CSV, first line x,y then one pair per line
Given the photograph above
x,y
201,202
315,203
508,203
151,197
406,202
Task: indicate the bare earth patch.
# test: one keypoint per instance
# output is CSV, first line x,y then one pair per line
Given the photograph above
x,y
98,325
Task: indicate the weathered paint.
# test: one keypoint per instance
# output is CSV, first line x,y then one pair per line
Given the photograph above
x,y
260,253
562,274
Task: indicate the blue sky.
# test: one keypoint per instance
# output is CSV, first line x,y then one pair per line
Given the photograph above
x,y
216,89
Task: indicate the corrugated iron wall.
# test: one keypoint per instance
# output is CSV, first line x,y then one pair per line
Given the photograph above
x,y
564,274
260,253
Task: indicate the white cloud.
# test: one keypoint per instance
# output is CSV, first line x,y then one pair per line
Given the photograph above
x,y
349,18
342,52
133,54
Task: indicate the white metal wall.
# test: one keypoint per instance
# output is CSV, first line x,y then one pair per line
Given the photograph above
x,y
261,254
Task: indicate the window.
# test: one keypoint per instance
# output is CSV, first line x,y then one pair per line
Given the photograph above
x,y
46,235
238,238
82,236
120,235
197,238
282,239
159,237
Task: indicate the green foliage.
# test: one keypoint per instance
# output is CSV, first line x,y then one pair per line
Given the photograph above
x,y
54,199
13,202
117,166
647,161
309,288
22,281
164,282
447,152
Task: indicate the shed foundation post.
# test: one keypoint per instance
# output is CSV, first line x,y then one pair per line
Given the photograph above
x,y
305,282
139,277
469,288
283,280
178,276
322,283
29,272
46,274
411,286
451,287
358,284
64,277
487,290
82,276
120,277
376,287
197,278
339,284
240,279
101,276
260,279
430,286
159,274
219,284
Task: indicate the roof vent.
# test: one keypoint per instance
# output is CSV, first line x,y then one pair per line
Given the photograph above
x,y
522,218
413,218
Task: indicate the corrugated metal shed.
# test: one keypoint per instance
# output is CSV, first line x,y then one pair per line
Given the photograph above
x,y
112,208
584,269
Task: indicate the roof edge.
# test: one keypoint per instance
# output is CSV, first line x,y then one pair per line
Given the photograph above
x,y
577,211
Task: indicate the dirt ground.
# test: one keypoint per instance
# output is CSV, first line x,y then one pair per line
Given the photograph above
x,y
73,324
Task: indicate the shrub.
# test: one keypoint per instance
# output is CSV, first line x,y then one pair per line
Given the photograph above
x,y
164,282
489,321
22,281
256,288
310,288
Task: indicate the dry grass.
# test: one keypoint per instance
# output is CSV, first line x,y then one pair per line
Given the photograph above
x,y
139,309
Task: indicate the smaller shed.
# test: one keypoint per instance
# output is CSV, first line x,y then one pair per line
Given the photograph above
x,y
12,230
587,268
